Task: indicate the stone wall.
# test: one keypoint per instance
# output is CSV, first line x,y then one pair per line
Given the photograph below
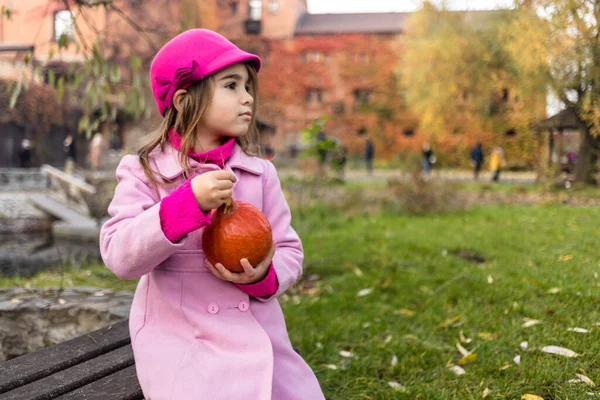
x,y
31,319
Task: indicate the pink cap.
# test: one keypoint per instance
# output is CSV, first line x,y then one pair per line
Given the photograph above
x,y
189,57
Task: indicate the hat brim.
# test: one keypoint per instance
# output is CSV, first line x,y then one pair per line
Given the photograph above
x,y
231,57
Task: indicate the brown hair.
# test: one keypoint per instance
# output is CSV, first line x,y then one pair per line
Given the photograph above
x,y
194,105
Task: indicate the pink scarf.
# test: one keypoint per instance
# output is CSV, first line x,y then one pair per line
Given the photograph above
x,y
216,156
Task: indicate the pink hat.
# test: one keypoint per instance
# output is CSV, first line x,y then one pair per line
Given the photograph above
x,y
189,57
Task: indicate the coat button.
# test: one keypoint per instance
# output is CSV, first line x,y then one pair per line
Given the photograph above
x,y
213,308
243,306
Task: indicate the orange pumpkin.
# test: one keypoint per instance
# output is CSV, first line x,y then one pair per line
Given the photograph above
x,y
238,230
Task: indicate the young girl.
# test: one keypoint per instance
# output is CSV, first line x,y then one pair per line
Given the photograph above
x,y
197,330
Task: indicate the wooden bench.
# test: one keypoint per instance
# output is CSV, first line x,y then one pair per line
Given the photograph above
x,y
98,365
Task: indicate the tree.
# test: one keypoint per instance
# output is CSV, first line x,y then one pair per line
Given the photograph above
x,y
112,78
559,41
463,84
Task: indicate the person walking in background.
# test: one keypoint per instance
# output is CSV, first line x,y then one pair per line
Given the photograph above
x,y
340,160
70,153
477,159
369,155
427,159
496,162
98,148
25,153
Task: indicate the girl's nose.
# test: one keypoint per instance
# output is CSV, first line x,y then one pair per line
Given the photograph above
x,y
248,99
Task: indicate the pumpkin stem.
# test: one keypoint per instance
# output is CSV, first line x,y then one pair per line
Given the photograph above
x,y
228,207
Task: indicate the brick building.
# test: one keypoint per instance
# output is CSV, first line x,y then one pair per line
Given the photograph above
x,y
341,66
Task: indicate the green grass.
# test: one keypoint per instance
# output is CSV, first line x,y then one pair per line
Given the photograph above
x,y
411,265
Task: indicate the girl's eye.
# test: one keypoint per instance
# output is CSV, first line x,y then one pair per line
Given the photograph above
x,y
230,86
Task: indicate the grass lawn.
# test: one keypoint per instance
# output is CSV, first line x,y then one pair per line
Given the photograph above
x,y
385,298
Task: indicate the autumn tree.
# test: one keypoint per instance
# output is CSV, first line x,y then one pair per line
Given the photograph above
x,y
558,41
459,78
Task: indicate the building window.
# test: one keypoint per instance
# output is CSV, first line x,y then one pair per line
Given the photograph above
x,y
273,6
314,56
233,7
64,24
255,10
362,96
314,95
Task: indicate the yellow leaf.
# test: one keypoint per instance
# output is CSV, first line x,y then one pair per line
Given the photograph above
x,y
450,321
487,336
404,312
485,393
467,359
566,257
531,397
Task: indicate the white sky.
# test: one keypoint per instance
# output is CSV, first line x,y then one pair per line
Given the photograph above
x,y
357,6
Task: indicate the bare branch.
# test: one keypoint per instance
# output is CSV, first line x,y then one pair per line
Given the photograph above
x,y
79,33
134,26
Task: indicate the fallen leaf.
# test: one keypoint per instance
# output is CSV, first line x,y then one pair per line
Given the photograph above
x,y
578,330
468,359
517,359
394,360
462,350
553,290
16,301
396,386
346,354
450,321
485,393
487,336
457,370
523,345
366,325
410,337
531,397
404,312
364,292
462,337
565,257
490,279
584,379
358,272
530,322
561,351
387,339
505,366
331,366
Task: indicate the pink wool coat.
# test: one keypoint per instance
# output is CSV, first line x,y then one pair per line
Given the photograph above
x,y
195,336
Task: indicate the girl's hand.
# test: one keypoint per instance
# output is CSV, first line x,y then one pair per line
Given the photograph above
x,y
213,188
250,275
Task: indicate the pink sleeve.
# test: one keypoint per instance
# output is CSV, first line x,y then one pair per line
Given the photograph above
x,y
180,213
267,287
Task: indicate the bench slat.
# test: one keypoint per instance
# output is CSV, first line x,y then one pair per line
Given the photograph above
x,y
75,377
37,365
122,385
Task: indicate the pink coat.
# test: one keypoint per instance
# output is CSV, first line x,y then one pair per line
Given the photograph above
x,y
195,336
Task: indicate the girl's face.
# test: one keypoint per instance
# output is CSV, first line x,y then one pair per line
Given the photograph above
x,y
230,111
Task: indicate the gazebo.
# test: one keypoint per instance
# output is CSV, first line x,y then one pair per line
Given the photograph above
x,y
563,138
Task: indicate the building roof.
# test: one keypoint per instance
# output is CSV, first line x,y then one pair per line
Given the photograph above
x,y
566,119
319,24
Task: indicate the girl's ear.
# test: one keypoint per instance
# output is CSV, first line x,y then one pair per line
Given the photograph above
x,y
177,97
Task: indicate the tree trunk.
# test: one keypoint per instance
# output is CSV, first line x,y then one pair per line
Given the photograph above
x,y
584,156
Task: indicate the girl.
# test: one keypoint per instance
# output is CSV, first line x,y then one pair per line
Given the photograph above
x,y
197,330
